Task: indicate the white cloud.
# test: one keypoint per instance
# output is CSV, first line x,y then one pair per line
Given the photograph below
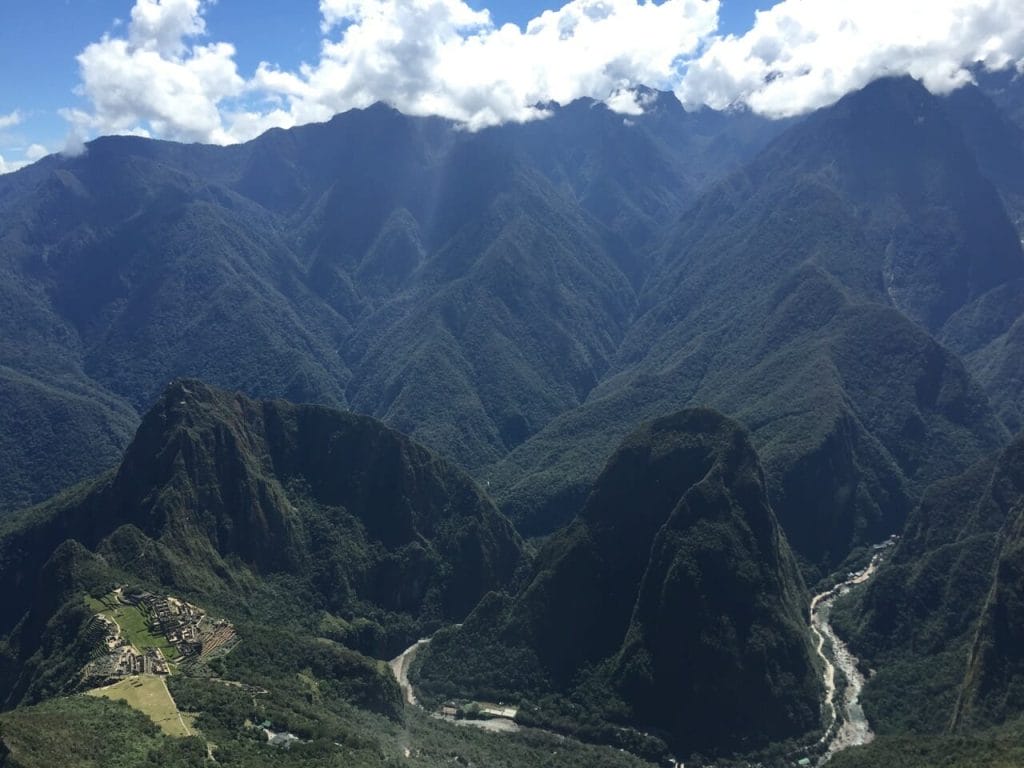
x,y
163,25
74,144
10,166
161,76
29,155
157,81
11,120
805,54
441,57
424,57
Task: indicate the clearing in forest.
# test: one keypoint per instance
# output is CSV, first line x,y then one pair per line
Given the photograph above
x,y
150,696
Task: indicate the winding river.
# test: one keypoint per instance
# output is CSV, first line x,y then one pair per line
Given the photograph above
x,y
848,727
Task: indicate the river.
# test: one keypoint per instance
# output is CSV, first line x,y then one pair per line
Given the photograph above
x,y
848,726
851,729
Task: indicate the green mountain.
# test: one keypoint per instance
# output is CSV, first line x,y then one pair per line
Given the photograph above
x,y
936,620
261,509
519,298
327,539
800,297
465,287
671,605
940,626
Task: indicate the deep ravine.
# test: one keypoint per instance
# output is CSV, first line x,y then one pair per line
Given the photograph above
x,y
847,724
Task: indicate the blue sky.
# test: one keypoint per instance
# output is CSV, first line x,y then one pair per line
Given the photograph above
x,y
191,70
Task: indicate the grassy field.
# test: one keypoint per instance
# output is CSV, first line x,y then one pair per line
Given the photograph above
x,y
133,624
150,696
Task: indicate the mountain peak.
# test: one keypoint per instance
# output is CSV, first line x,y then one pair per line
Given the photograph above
x,y
651,595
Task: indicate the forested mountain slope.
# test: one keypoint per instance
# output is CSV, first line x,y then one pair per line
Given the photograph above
x,y
521,297
464,287
798,296
315,516
671,604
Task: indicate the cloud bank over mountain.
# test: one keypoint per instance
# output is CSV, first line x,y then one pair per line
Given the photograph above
x,y
805,54
163,76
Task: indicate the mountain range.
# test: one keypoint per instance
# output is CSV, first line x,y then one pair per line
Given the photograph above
x,y
599,399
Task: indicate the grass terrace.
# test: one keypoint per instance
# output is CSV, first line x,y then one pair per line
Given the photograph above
x,y
134,624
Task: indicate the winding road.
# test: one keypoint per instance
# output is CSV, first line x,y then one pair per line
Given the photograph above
x,y
400,668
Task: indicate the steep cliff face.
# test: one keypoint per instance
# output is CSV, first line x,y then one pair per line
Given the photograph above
x,y
717,642
285,488
672,602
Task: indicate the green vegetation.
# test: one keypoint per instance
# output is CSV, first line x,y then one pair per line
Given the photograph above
x,y
466,288
769,301
150,696
520,299
58,429
244,510
671,604
86,732
997,748
92,732
923,622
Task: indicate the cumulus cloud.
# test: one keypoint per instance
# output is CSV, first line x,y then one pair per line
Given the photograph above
x,y
10,166
158,81
441,57
805,54
424,57
161,76
36,152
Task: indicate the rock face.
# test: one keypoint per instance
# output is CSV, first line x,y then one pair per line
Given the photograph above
x,y
289,488
671,603
244,503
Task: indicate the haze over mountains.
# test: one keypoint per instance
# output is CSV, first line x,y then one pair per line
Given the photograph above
x,y
707,357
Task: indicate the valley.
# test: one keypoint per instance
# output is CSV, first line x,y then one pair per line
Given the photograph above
x,y
592,440
846,725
